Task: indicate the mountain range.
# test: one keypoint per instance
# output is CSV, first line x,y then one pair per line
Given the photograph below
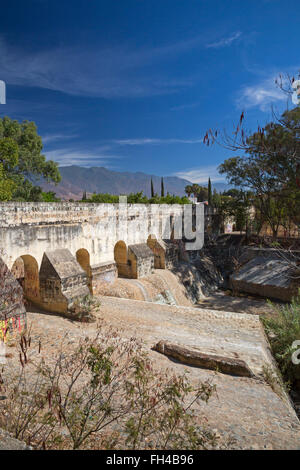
x,y
76,180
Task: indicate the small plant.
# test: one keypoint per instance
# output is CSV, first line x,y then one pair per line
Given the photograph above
x,y
283,329
82,310
275,244
275,382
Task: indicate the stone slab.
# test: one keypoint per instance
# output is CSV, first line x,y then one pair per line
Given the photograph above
x,y
266,276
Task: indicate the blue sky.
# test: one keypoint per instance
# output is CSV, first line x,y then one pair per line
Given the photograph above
x,y
133,85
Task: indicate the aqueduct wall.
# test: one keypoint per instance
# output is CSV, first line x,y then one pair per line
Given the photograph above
x,y
33,228
60,250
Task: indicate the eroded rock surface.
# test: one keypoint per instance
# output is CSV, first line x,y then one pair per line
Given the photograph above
x,y
268,275
245,410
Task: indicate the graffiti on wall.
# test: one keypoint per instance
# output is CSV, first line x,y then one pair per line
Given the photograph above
x,y
10,325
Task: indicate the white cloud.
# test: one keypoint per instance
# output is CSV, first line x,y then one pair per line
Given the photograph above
x,y
100,72
151,141
107,72
48,139
200,174
262,95
69,156
225,41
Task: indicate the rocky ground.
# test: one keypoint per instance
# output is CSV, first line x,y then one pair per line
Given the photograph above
x,y
186,307
181,287
245,411
7,442
224,300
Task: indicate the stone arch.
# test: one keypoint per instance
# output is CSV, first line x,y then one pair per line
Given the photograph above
x,y
83,258
121,259
120,252
26,271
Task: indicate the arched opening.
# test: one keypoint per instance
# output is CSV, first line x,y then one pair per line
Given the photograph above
x,y
26,271
120,252
83,258
121,259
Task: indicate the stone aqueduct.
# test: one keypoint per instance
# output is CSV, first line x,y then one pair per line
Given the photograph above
x,y
62,251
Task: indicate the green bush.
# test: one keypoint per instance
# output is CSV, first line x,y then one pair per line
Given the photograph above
x,y
282,330
82,310
138,198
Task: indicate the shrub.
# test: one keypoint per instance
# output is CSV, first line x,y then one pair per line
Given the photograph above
x,y
138,198
82,309
283,329
104,394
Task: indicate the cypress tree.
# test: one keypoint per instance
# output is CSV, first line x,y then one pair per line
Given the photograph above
x,y
152,189
209,192
162,188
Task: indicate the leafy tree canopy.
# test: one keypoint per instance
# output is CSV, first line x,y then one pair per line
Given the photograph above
x,y
272,157
20,154
7,186
199,192
270,168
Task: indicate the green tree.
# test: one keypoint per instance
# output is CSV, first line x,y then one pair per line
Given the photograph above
x,y
162,188
49,196
20,153
9,154
235,204
152,189
7,186
200,192
195,189
139,198
9,157
209,190
270,168
189,190
28,192
203,194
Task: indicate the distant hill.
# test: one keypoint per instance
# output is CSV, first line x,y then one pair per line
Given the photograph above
x,y
76,179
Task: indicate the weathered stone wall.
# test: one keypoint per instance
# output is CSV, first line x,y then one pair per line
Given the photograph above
x,y
33,228
98,237
172,254
141,260
102,275
166,252
158,249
